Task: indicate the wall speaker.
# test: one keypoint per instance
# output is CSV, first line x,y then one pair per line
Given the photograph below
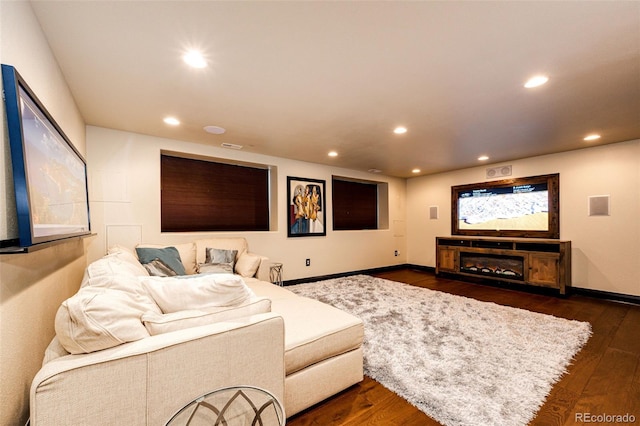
x,y
599,205
433,212
495,172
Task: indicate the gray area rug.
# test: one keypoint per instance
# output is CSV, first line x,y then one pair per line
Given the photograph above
x,y
460,361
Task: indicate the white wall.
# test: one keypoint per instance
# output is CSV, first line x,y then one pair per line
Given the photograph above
x,y
33,285
605,250
124,189
124,174
23,45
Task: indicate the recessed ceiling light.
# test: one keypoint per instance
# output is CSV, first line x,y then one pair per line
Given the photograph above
x,y
592,137
400,130
194,59
536,81
216,130
483,158
416,171
172,121
333,154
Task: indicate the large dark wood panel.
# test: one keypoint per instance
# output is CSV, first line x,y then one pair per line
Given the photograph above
x,y
198,195
355,205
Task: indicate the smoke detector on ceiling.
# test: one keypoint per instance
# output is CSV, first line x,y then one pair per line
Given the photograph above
x,y
216,130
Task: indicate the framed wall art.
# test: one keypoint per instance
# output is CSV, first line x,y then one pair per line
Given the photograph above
x,y
305,207
49,174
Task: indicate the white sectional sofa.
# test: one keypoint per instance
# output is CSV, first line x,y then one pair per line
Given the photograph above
x,y
133,349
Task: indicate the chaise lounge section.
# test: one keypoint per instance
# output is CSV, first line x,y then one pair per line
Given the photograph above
x,y
323,346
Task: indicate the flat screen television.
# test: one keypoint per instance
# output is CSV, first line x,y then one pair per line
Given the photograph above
x,y
49,175
526,207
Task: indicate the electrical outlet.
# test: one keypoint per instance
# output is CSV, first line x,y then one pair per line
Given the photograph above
x,y
307,262
396,253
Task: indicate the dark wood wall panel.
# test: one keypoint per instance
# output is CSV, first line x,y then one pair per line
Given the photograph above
x,y
198,195
355,205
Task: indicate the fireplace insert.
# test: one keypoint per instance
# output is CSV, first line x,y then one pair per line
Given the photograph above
x,y
511,267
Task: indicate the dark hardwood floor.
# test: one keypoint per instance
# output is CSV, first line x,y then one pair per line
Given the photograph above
x,y
604,378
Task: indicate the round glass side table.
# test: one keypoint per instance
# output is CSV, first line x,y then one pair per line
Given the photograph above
x,y
232,406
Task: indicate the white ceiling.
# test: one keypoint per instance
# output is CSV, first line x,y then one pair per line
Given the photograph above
x,y
298,79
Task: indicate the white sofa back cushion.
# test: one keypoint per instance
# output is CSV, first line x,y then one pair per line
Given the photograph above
x,y
163,323
98,318
173,294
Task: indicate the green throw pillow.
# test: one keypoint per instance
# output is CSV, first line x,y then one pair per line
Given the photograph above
x,y
168,255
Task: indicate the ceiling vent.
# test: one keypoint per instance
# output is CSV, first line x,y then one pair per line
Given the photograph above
x,y
230,145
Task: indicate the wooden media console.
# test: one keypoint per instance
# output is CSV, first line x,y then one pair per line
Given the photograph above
x,y
536,262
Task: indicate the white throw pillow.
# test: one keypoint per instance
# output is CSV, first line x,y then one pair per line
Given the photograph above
x,y
248,264
117,248
175,294
164,323
129,285
98,318
116,263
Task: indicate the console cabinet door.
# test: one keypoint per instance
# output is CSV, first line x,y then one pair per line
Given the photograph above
x,y
447,257
544,269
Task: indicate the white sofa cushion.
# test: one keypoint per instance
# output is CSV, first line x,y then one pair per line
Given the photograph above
x,y
121,263
117,248
55,350
173,294
130,285
98,318
163,323
315,331
269,290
